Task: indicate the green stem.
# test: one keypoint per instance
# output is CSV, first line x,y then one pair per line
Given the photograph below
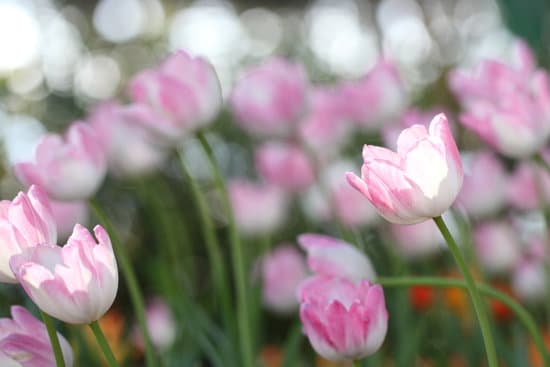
x,y
105,348
238,258
136,296
479,307
215,257
54,340
524,316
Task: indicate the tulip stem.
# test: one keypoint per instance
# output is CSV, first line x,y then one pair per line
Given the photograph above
x,y
136,296
245,338
212,245
105,348
479,307
485,290
54,340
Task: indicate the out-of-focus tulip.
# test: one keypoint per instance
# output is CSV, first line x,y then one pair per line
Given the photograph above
x,y
184,91
76,283
529,281
508,106
67,168
131,146
161,326
484,188
343,320
25,222
24,342
258,208
528,187
284,165
497,246
333,257
418,182
270,98
377,97
282,271
66,214
417,241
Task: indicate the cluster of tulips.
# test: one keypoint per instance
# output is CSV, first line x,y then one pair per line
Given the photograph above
x,y
299,133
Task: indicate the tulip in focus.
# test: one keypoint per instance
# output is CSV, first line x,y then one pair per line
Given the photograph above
x,y
270,98
333,257
258,208
282,271
184,91
508,106
24,342
417,183
76,283
67,168
342,319
25,222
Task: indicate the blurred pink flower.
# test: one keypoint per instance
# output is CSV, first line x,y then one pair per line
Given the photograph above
x,y
418,182
497,246
270,98
76,283
283,269
285,165
258,208
184,91
508,106
530,281
24,342
25,222
67,168
376,98
131,146
66,214
333,257
528,187
161,326
484,188
343,320
416,241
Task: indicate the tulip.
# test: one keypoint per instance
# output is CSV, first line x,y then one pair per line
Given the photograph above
x,y
24,342
76,283
418,182
332,257
128,139
270,98
343,320
258,208
497,246
66,214
284,165
508,106
67,168
417,241
528,187
161,326
184,91
283,269
25,222
529,281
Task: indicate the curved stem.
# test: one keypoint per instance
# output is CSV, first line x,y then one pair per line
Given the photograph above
x,y
212,245
479,307
136,296
238,258
105,348
54,340
485,290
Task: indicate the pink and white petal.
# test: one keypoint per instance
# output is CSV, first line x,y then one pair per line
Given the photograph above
x,y
410,137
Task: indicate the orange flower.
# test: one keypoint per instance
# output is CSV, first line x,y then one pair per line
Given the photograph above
x,y
421,297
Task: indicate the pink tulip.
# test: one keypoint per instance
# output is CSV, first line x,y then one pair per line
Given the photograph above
x,y
25,222
76,283
417,241
184,91
283,269
66,214
377,97
68,168
418,182
335,258
530,281
270,98
508,106
128,139
343,320
284,165
161,326
484,188
497,246
258,208
528,187
24,342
